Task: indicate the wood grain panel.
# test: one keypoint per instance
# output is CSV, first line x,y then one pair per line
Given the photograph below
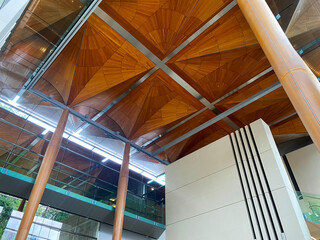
x,y
312,60
272,107
99,43
292,125
97,103
216,74
124,64
155,103
229,32
162,25
222,58
195,142
60,73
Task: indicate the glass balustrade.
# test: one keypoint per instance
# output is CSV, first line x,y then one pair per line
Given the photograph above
x,y
79,168
310,206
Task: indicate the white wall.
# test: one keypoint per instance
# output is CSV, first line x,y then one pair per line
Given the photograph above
x,y
305,165
204,196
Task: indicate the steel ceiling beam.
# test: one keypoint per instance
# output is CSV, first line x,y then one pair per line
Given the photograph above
x,y
201,30
122,96
152,57
95,124
126,35
146,52
65,149
219,117
282,119
211,107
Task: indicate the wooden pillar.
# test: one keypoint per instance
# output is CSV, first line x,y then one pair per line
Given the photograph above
x,y
21,206
121,194
42,178
300,84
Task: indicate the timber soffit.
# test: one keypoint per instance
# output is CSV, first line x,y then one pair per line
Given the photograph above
x,y
160,65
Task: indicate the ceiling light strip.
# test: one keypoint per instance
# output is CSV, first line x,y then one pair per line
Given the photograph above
x,y
219,117
81,142
95,124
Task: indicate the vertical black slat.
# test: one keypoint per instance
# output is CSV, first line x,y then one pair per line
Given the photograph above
x,y
242,188
266,180
260,183
254,187
290,172
248,185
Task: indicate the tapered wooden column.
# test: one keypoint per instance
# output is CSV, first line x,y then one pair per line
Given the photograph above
x,y
42,178
121,194
300,84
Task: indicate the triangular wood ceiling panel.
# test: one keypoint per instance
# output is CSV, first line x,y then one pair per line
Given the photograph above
x,y
222,58
100,101
230,32
124,64
162,25
98,59
271,108
99,44
292,125
157,102
61,72
312,60
195,142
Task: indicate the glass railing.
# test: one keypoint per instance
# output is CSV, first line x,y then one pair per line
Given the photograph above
x,y
77,169
310,206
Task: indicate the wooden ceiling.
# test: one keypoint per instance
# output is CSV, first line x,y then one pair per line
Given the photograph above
x,y
99,65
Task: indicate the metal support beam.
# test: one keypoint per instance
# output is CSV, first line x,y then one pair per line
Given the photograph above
x,y
50,59
219,117
95,124
81,175
161,64
210,107
122,96
148,53
64,148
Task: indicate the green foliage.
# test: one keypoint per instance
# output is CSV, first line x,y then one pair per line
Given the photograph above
x,y
8,203
52,214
